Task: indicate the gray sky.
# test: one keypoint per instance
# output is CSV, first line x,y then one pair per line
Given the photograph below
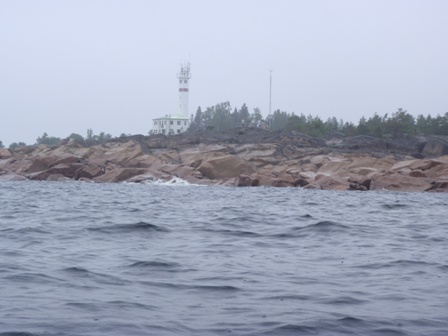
x,y
66,66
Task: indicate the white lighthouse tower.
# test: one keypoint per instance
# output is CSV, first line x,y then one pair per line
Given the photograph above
x,y
184,78
179,121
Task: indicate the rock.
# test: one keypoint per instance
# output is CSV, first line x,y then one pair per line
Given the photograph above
x,y
57,177
143,178
20,166
246,181
89,171
67,170
245,157
359,182
38,176
12,177
435,146
363,143
280,183
398,182
334,166
364,171
417,173
440,186
300,182
117,153
358,187
5,153
329,183
119,174
225,167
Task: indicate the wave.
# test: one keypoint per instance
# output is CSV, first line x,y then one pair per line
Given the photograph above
x,y
161,265
394,206
237,233
322,227
398,263
128,228
294,329
38,278
18,333
219,288
175,181
343,300
25,230
98,278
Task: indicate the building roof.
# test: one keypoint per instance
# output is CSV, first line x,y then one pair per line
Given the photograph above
x,y
172,117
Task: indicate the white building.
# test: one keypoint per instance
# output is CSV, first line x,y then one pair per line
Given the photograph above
x,y
179,123
170,125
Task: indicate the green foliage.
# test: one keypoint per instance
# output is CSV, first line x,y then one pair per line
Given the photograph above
x,y
256,117
92,138
400,123
1,144
47,140
103,137
278,120
349,129
196,121
432,125
221,118
89,134
76,136
15,145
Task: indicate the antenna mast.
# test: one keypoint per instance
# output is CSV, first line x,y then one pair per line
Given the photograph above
x,y
270,90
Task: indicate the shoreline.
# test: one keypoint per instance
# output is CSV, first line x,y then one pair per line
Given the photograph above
x,y
245,158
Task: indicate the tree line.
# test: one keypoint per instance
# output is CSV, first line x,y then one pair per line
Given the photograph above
x,y
45,139
221,117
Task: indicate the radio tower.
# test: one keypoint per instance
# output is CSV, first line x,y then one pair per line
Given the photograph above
x,y
184,77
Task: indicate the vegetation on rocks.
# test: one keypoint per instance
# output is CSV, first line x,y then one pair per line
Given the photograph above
x,y
221,118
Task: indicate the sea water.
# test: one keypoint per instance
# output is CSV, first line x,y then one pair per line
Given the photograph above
x,y
131,259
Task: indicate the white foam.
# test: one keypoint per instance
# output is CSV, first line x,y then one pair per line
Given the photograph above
x,y
175,181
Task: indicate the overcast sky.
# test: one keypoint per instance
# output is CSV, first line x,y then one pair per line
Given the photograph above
x,y
66,66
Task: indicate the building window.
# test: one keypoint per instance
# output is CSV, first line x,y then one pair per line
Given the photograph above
x,y
163,131
171,122
185,81
185,123
178,131
178,122
180,81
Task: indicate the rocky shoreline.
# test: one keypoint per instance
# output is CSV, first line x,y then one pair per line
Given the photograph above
x,y
242,157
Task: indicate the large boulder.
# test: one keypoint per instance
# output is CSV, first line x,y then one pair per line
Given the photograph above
x,y
89,171
435,146
225,167
5,153
118,153
399,182
246,181
119,174
324,182
8,176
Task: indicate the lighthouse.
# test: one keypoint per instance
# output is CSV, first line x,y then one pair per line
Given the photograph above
x,y
179,121
184,79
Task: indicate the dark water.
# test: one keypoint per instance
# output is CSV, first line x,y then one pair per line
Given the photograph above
x,y
120,259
